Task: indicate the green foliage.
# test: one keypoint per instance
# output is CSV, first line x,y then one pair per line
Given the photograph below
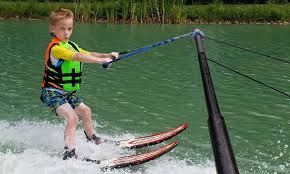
x,y
148,11
30,9
277,1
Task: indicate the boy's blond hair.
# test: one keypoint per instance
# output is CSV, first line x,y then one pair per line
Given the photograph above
x,y
59,14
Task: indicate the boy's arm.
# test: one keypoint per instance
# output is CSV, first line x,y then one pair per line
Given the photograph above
x,y
59,52
90,58
112,55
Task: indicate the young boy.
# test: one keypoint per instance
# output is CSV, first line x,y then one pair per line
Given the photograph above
x,y
62,78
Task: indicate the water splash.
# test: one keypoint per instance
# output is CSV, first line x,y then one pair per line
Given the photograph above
x,y
36,147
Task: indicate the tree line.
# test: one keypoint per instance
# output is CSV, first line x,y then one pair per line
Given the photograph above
x,y
152,11
184,2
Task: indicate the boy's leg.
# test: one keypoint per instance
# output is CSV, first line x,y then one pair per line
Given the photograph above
x,y
86,116
57,101
72,119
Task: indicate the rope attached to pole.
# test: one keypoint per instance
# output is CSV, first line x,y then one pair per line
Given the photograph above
x,y
127,54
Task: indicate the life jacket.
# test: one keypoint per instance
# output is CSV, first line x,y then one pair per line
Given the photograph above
x,y
65,75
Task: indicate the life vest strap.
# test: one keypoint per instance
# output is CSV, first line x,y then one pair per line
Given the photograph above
x,y
73,82
71,74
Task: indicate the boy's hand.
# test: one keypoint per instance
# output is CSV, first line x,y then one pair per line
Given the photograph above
x,y
114,55
106,61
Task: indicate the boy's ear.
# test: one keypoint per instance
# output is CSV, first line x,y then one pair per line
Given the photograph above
x,y
51,28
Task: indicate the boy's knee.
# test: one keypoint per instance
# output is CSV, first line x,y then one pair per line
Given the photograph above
x,y
73,119
85,110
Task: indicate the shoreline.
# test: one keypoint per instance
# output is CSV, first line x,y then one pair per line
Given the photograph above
x,y
187,22
148,13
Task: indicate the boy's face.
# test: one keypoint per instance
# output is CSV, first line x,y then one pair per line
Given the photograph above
x,y
62,29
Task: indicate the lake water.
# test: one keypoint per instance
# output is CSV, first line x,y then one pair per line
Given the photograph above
x,y
148,93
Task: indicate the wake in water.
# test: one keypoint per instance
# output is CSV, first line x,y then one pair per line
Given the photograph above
x,y
36,148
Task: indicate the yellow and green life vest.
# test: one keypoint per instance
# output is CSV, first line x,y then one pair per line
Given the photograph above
x,y
66,75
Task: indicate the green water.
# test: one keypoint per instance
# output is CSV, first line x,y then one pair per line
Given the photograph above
x,y
161,88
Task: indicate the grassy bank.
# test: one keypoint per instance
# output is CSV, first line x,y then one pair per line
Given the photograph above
x,y
149,11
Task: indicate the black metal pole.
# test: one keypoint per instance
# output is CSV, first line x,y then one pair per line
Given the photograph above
x,y
224,157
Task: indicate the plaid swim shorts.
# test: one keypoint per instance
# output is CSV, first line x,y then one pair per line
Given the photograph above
x,y
53,98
